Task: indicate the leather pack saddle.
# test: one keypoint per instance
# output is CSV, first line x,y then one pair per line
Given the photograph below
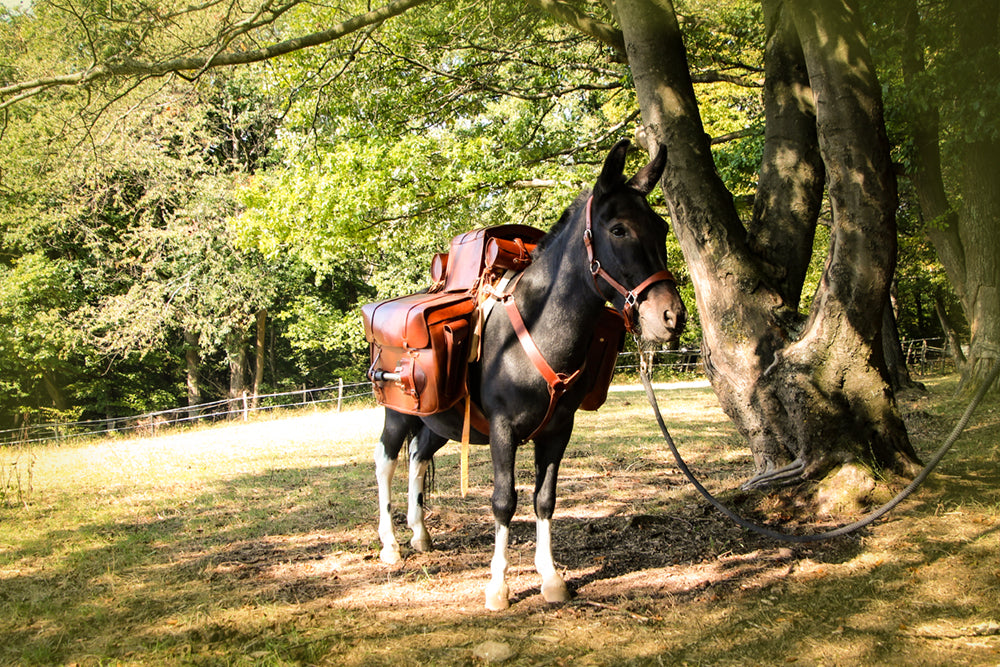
x,y
421,343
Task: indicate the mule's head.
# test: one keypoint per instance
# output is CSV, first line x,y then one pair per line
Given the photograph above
x,y
628,242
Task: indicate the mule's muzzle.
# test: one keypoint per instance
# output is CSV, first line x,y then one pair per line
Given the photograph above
x,y
662,315
675,320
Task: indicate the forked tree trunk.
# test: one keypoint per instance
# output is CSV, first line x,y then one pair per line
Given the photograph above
x,y
808,392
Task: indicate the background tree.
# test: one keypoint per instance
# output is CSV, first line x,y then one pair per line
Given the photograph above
x,y
943,65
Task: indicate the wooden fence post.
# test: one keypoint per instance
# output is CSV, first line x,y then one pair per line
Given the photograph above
x,y
340,393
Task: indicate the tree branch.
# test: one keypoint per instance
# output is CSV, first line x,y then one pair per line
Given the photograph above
x,y
128,67
715,76
589,26
733,136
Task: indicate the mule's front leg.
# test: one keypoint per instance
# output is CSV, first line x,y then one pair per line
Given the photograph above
x,y
504,505
548,454
385,468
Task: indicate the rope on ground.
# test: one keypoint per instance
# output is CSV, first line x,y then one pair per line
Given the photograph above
x,y
843,530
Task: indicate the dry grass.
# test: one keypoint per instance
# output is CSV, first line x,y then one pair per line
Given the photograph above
x,y
255,544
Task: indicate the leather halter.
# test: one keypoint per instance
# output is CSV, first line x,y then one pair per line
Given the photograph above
x,y
560,383
596,270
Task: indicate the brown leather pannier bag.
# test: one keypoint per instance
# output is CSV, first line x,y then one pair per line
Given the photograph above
x,y
422,338
608,340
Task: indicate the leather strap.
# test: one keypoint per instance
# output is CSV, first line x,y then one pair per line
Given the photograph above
x,y
631,296
466,437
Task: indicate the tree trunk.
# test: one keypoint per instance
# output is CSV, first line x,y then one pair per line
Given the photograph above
x,y
895,360
951,334
980,222
238,368
810,393
53,390
966,239
192,358
258,376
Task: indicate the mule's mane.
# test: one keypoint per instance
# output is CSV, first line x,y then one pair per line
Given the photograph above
x,y
563,222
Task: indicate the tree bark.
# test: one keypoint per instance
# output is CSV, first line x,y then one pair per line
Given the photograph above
x,y
809,394
792,176
192,358
258,376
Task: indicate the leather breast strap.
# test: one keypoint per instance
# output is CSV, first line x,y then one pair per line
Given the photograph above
x,y
559,383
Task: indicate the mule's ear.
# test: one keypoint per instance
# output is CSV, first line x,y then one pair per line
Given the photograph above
x,y
646,178
612,174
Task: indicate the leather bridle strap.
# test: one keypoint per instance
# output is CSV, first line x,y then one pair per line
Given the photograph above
x,y
559,383
596,270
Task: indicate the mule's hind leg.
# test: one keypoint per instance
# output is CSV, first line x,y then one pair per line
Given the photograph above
x,y
421,454
549,451
394,433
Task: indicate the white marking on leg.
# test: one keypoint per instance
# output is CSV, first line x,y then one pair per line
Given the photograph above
x,y
385,468
497,591
415,514
553,587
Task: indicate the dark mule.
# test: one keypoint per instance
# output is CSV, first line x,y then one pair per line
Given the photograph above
x,y
559,296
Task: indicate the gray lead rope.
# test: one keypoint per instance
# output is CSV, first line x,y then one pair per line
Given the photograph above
x,y
843,530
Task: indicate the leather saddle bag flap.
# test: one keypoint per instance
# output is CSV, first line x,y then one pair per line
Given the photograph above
x,y
424,339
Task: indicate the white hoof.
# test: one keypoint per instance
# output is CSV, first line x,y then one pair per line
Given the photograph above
x,y
390,555
496,599
555,591
421,543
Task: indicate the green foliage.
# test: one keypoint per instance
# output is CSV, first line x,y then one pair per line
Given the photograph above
x,y
35,343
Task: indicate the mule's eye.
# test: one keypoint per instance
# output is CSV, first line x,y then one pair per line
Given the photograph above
x,y
618,231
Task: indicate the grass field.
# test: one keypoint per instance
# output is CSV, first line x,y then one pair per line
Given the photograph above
x,y
254,543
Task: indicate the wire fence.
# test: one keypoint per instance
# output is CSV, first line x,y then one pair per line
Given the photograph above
x,y
923,356
661,362
226,409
